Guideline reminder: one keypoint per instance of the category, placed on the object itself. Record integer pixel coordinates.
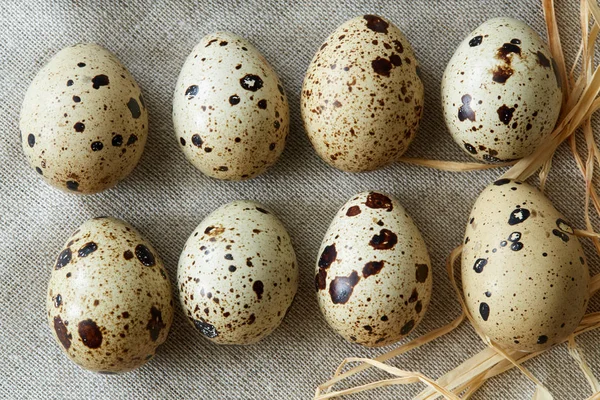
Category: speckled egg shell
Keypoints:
(109, 298)
(83, 121)
(373, 274)
(525, 277)
(501, 91)
(362, 97)
(230, 112)
(237, 274)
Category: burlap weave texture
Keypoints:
(166, 198)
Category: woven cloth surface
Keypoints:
(166, 198)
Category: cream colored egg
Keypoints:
(525, 277)
(109, 297)
(362, 97)
(83, 121)
(501, 91)
(230, 112)
(373, 276)
(237, 274)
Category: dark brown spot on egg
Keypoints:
(407, 327)
(321, 279)
(72, 185)
(506, 51)
(100, 80)
(518, 216)
(422, 271)
(251, 82)
(90, 333)
(234, 99)
(353, 211)
(155, 324)
(414, 296)
(465, 111)
(61, 332)
(564, 226)
(196, 140)
(97, 146)
(262, 104)
(117, 140)
(376, 23)
(385, 240)
(214, 230)
(476, 41)
(191, 91)
(480, 263)
(144, 255)
(516, 246)
(396, 60)
(470, 148)
(128, 255)
(501, 73)
(63, 258)
(341, 287)
(372, 268)
(182, 141)
(205, 328)
(505, 114)
(419, 307)
(79, 127)
(57, 300)
(31, 140)
(381, 66)
(378, 200)
(563, 236)
(258, 288)
(542, 60)
(542, 339)
(328, 256)
(134, 108)
(484, 311)
(132, 139)
(87, 249)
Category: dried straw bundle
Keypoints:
(580, 101)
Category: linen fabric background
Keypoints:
(166, 198)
